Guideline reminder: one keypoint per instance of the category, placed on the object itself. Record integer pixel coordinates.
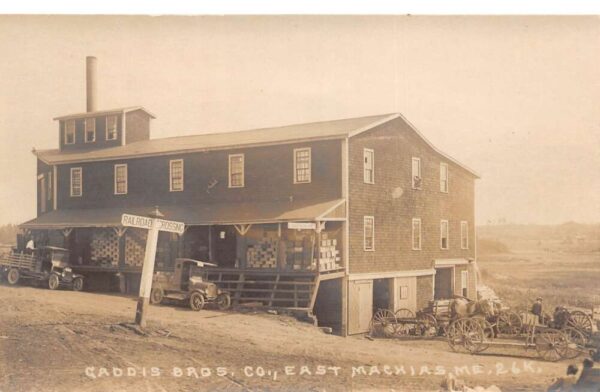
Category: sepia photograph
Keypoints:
(299, 203)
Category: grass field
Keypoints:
(561, 269)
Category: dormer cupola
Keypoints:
(95, 129)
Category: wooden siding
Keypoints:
(393, 202)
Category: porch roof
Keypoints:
(200, 214)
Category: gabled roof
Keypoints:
(104, 112)
(325, 130)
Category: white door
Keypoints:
(360, 306)
(405, 293)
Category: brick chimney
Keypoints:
(91, 83)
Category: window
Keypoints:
(111, 128)
(90, 130)
(49, 196)
(70, 132)
(403, 292)
(444, 177)
(416, 173)
(464, 283)
(464, 235)
(121, 179)
(369, 166)
(302, 165)
(176, 175)
(76, 182)
(236, 171)
(369, 233)
(416, 234)
(444, 234)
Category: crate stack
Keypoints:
(105, 247)
(329, 255)
(262, 254)
(135, 247)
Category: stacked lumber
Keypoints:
(105, 247)
(329, 255)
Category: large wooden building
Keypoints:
(337, 218)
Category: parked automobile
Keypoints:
(48, 265)
(182, 286)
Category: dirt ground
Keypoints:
(69, 341)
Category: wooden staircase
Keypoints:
(271, 288)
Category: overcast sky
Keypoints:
(515, 98)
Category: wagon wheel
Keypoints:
(78, 284)
(550, 344)
(576, 342)
(384, 322)
(13, 276)
(466, 333)
(509, 323)
(428, 325)
(223, 301)
(404, 314)
(580, 321)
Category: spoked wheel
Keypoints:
(466, 334)
(223, 301)
(384, 323)
(404, 314)
(580, 321)
(551, 345)
(156, 295)
(53, 282)
(576, 342)
(77, 284)
(509, 323)
(13, 276)
(196, 301)
(428, 325)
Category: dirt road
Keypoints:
(67, 341)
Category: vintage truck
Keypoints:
(182, 286)
(47, 265)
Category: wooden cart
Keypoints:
(402, 324)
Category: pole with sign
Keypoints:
(153, 224)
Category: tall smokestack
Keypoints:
(91, 83)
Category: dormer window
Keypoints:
(111, 128)
(90, 130)
(70, 132)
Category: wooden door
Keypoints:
(405, 293)
(43, 194)
(444, 283)
(360, 306)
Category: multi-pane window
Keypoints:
(302, 165)
(76, 181)
(416, 173)
(90, 130)
(403, 292)
(70, 132)
(464, 235)
(444, 177)
(369, 233)
(111, 128)
(369, 166)
(236, 170)
(416, 234)
(120, 179)
(444, 234)
(176, 175)
(464, 283)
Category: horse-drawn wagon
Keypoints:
(473, 334)
(402, 324)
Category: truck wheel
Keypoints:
(223, 301)
(13, 276)
(156, 296)
(53, 282)
(77, 284)
(196, 301)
